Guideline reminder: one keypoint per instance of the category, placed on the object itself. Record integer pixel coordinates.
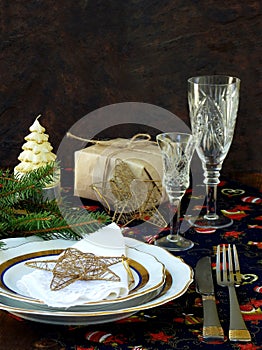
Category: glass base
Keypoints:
(174, 243)
(202, 222)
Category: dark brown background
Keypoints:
(63, 59)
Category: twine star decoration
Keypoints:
(74, 265)
(133, 199)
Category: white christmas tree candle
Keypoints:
(37, 152)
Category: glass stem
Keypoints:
(211, 180)
(211, 194)
(174, 220)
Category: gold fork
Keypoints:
(230, 277)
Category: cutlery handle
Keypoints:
(237, 327)
(212, 330)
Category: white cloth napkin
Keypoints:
(107, 241)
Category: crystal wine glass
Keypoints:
(213, 105)
(177, 150)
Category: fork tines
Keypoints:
(230, 267)
(230, 276)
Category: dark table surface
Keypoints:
(178, 323)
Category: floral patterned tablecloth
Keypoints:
(178, 323)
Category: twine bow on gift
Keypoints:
(74, 265)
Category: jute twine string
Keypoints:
(141, 137)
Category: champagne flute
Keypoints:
(177, 150)
(213, 105)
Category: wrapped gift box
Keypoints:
(120, 172)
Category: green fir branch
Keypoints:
(25, 210)
(48, 226)
(27, 187)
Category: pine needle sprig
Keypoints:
(15, 189)
(49, 226)
(83, 222)
(26, 211)
(43, 176)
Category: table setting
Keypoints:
(148, 289)
(193, 281)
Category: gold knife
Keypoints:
(212, 329)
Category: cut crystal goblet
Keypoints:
(213, 104)
(177, 150)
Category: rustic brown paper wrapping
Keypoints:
(97, 165)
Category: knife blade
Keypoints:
(212, 329)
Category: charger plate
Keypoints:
(179, 277)
(148, 273)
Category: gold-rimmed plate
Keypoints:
(179, 277)
(148, 273)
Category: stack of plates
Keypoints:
(158, 278)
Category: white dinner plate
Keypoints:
(148, 273)
(179, 278)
